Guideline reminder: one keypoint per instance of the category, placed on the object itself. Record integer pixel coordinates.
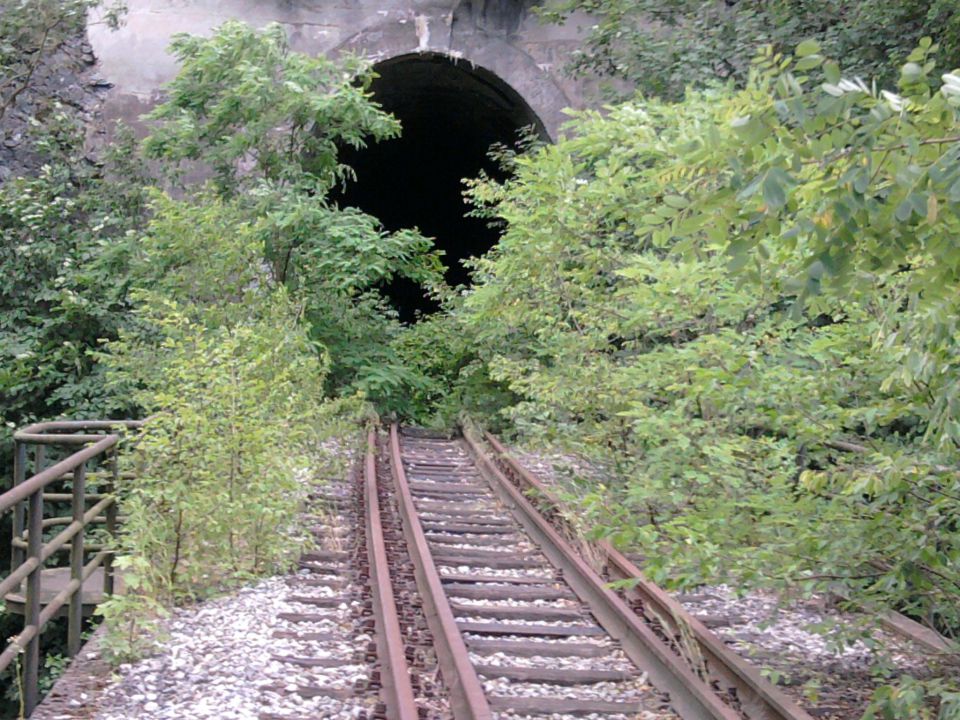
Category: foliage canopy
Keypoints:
(269, 122)
(664, 46)
(744, 306)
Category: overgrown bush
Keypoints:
(448, 377)
(218, 360)
(227, 451)
(221, 465)
(62, 263)
(268, 122)
(744, 305)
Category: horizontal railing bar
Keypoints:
(17, 576)
(23, 543)
(48, 549)
(41, 480)
(63, 497)
(40, 439)
(74, 425)
(18, 643)
(15, 647)
(64, 520)
(100, 474)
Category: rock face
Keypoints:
(502, 37)
(65, 81)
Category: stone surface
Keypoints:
(75, 692)
(501, 36)
(66, 81)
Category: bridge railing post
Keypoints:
(40, 600)
(110, 488)
(75, 611)
(17, 555)
(31, 653)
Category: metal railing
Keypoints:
(96, 441)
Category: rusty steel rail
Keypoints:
(30, 552)
(758, 698)
(467, 698)
(690, 696)
(395, 673)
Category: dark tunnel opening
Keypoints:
(451, 112)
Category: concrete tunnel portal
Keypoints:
(451, 113)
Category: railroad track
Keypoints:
(499, 604)
(736, 681)
(470, 605)
(444, 583)
(323, 598)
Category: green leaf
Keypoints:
(904, 210)
(774, 195)
(809, 62)
(911, 72)
(831, 71)
(807, 48)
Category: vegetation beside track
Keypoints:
(744, 306)
(662, 47)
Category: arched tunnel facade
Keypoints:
(460, 75)
(451, 112)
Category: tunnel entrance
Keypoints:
(451, 112)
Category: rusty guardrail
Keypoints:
(397, 689)
(97, 440)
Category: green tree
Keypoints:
(255, 112)
(61, 231)
(664, 47)
(217, 358)
(233, 388)
(268, 123)
(62, 259)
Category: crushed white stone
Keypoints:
(216, 661)
(616, 660)
(636, 690)
(533, 573)
(759, 625)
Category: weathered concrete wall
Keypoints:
(501, 36)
